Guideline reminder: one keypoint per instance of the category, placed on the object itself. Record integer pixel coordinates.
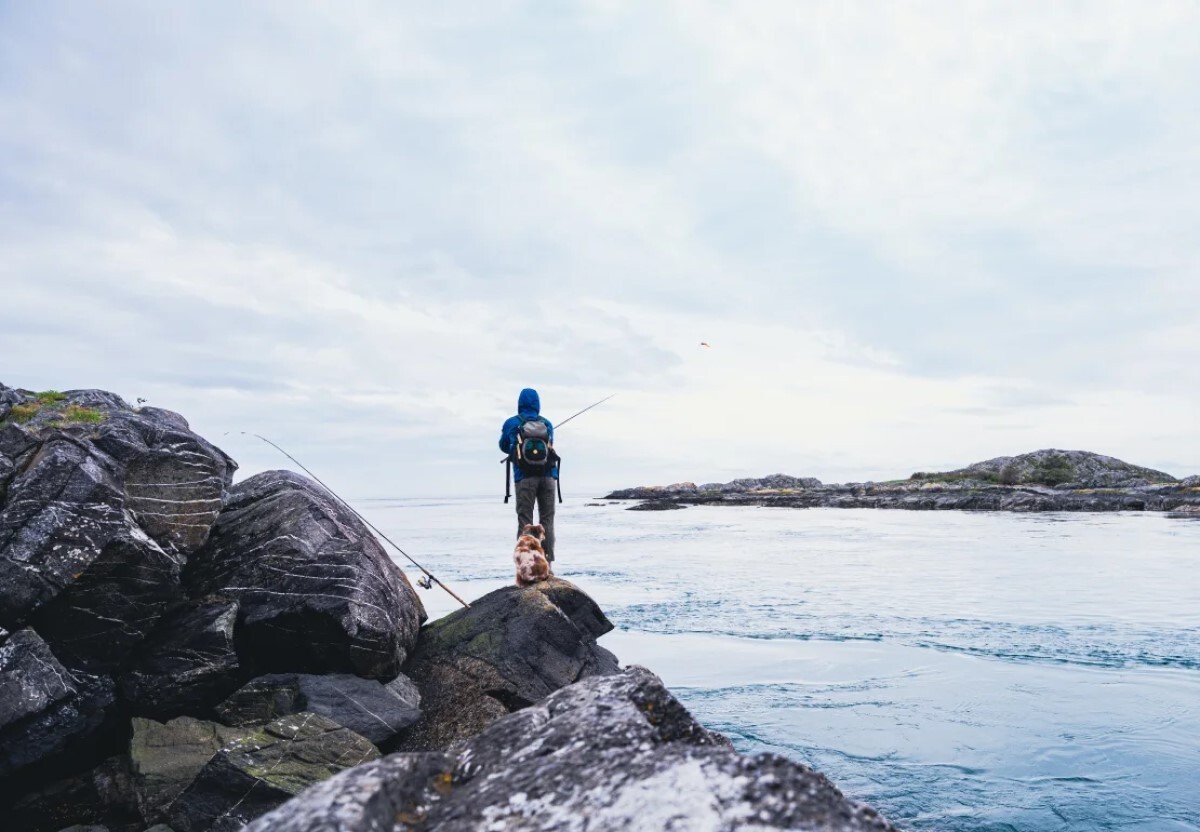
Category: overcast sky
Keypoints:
(915, 234)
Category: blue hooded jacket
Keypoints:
(528, 409)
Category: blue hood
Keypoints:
(529, 405)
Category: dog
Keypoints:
(529, 557)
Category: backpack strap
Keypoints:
(558, 479)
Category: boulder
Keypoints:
(656, 505)
(102, 795)
(99, 512)
(166, 757)
(318, 594)
(44, 707)
(365, 706)
(188, 664)
(611, 752)
(264, 768)
(1190, 482)
(510, 649)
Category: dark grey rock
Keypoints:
(656, 505)
(365, 706)
(256, 773)
(1190, 482)
(166, 757)
(98, 515)
(45, 708)
(188, 664)
(318, 593)
(611, 752)
(512, 647)
(102, 795)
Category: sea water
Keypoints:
(957, 670)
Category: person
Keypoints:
(535, 467)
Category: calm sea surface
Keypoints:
(959, 671)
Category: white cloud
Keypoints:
(916, 235)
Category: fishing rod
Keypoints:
(585, 410)
(572, 416)
(430, 577)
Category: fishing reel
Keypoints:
(425, 582)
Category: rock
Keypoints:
(258, 772)
(188, 664)
(365, 706)
(318, 593)
(44, 707)
(100, 511)
(1190, 482)
(102, 795)
(611, 752)
(1052, 466)
(513, 647)
(656, 505)
(165, 759)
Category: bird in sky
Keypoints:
(706, 344)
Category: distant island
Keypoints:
(1045, 480)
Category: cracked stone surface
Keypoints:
(513, 647)
(260, 770)
(610, 752)
(318, 593)
(44, 707)
(365, 706)
(166, 757)
(96, 519)
(189, 664)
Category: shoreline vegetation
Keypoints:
(1045, 480)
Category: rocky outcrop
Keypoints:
(1053, 467)
(164, 759)
(260, 770)
(317, 592)
(1048, 480)
(365, 706)
(611, 752)
(45, 709)
(189, 664)
(101, 508)
(135, 583)
(510, 649)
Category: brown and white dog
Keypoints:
(529, 557)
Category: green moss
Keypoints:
(83, 415)
(51, 397)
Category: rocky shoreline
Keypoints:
(1046, 480)
(180, 654)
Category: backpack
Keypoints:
(532, 453)
(532, 449)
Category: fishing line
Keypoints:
(430, 577)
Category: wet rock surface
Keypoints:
(365, 706)
(318, 594)
(45, 709)
(1046, 480)
(513, 647)
(188, 664)
(101, 507)
(262, 769)
(611, 752)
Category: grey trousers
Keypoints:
(538, 490)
